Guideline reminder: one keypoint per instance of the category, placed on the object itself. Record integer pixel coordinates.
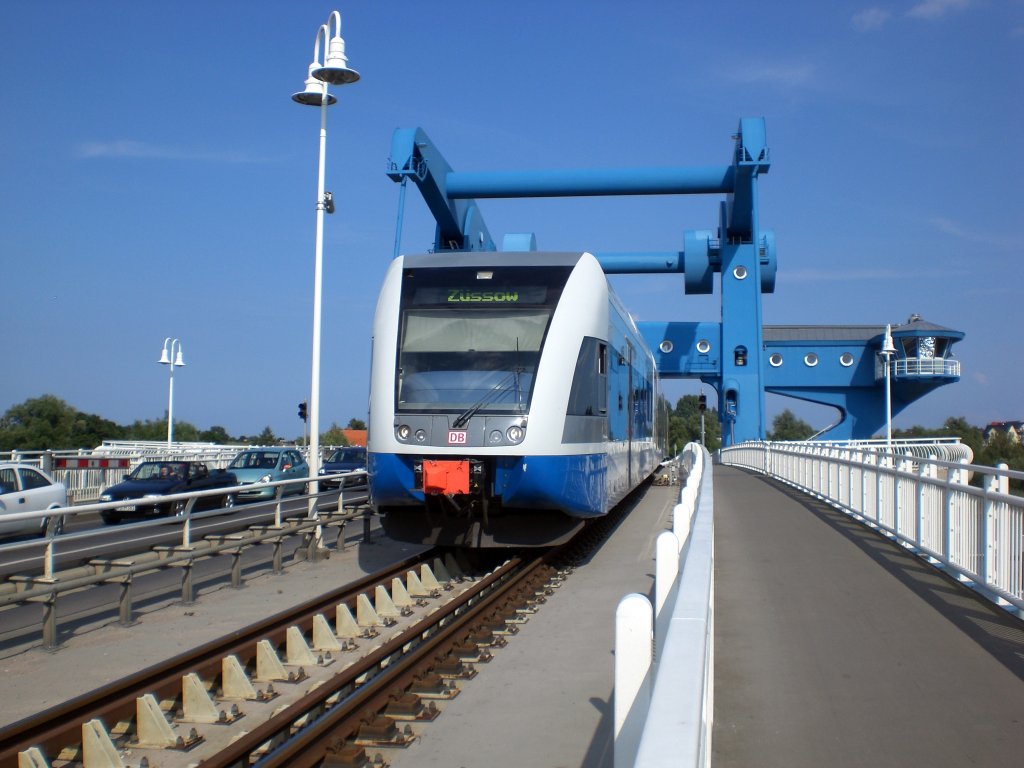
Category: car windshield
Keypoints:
(160, 470)
(348, 455)
(255, 460)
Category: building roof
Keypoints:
(355, 436)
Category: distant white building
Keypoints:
(1012, 429)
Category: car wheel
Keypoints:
(230, 501)
(178, 508)
(109, 518)
(58, 526)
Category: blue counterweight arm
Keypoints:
(459, 223)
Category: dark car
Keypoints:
(344, 460)
(154, 479)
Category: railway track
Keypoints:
(330, 682)
(318, 684)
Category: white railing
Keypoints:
(974, 532)
(664, 701)
(918, 366)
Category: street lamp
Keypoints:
(171, 356)
(333, 69)
(888, 350)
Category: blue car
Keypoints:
(258, 466)
(151, 480)
(344, 460)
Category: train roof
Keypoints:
(495, 259)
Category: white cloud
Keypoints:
(953, 229)
(870, 18)
(936, 9)
(127, 148)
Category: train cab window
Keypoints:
(471, 339)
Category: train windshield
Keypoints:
(470, 339)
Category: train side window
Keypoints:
(589, 393)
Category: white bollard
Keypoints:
(666, 579)
(682, 515)
(634, 619)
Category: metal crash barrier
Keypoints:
(48, 587)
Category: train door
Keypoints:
(631, 417)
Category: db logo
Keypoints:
(457, 436)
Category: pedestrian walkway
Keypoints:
(836, 647)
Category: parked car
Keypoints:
(344, 460)
(257, 466)
(154, 479)
(27, 489)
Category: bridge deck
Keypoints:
(836, 647)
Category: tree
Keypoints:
(334, 436)
(266, 437)
(216, 434)
(47, 422)
(786, 426)
(684, 425)
(356, 424)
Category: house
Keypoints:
(1012, 429)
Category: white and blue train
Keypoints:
(512, 399)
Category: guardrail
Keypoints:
(973, 532)
(45, 588)
(664, 654)
(92, 470)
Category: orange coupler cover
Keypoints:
(446, 477)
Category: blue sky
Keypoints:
(157, 180)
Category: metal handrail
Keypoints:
(974, 533)
(54, 528)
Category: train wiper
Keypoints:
(500, 388)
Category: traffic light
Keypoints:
(302, 410)
(702, 402)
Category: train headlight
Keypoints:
(514, 434)
(421, 435)
(495, 436)
(404, 431)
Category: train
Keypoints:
(512, 399)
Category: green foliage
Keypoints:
(216, 434)
(48, 422)
(684, 425)
(335, 435)
(266, 437)
(356, 424)
(786, 426)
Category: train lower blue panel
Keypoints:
(582, 485)
(392, 480)
(576, 485)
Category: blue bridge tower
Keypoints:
(738, 355)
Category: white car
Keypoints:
(27, 489)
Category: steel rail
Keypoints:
(336, 725)
(60, 726)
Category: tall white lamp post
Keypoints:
(888, 350)
(333, 69)
(171, 357)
